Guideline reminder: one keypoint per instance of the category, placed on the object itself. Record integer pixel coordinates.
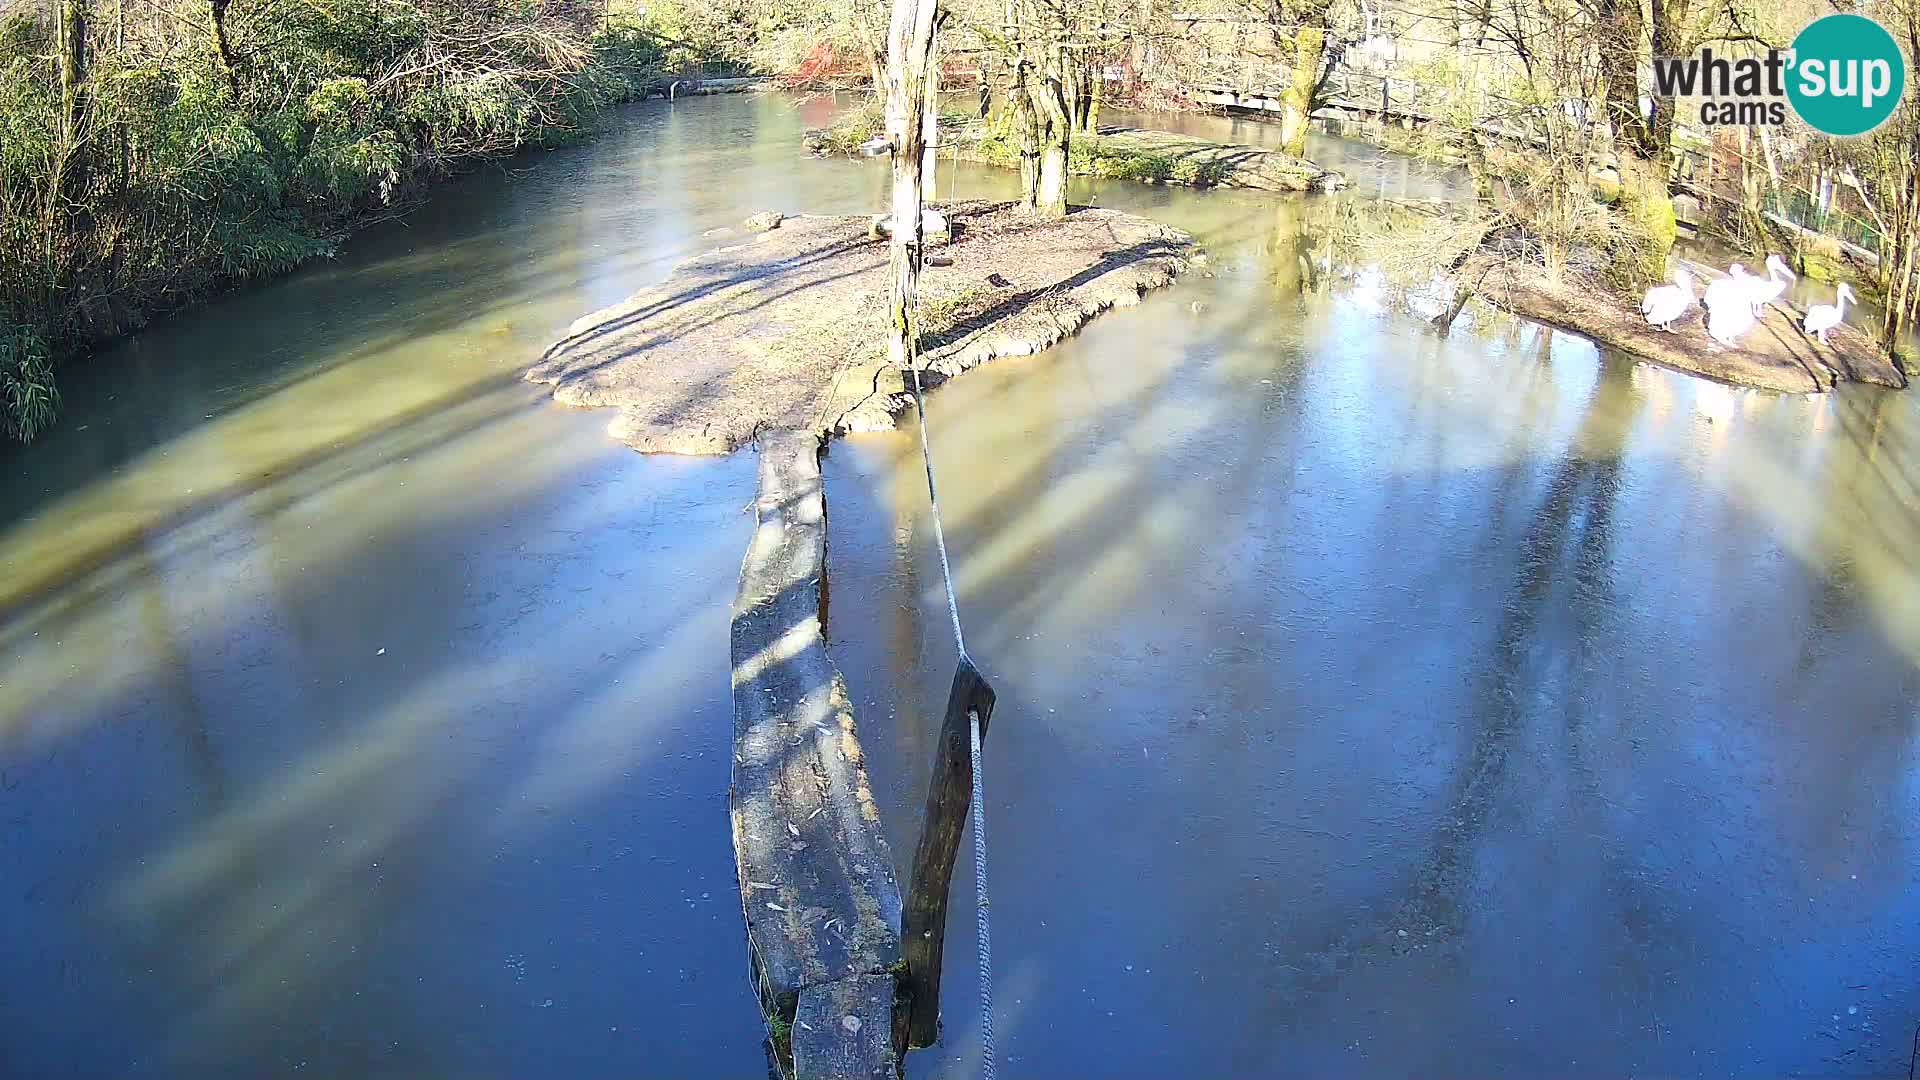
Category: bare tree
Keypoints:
(910, 63)
(71, 156)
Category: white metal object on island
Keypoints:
(932, 223)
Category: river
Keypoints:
(1370, 702)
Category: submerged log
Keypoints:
(816, 876)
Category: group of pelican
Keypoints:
(1737, 302)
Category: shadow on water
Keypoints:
(403, 752)
(1388, 703)
(352, 749)
(364, 713)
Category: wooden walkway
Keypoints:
(1351, 95)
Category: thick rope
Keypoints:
(978, 800)
(939, 532)
(982, 930)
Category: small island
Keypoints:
(787, 330)
(1776, 354)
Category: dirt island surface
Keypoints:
(1775, 355)
(786, 331)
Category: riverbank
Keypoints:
(1159, 157)
(1115, 153)
(212, 174)
(787, 330)
(1775, 355)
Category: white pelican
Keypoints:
(1822, 318)
(1728, 313)
(1726, 290)
(1665, 303)
(1766, 290)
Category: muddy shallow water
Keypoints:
(363, 713)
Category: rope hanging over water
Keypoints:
(983, 930)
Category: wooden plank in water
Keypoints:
(844, 1029)
(816, 878)
(949, 793)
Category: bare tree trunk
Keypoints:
(1645, 199)
(930, 123)
(1309, 45)
(1073, 82)
(1056, 136)
(1050, 201)
(223, 45)
(1140, 49)
(1462, 294)
(909, 56)
(1900, 269)
(1084, 80)
(1026, 121)
(1901, 291)
(1022, 111)
(70, 168)
(1752, 219)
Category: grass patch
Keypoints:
(850, 129)
(1091, 155)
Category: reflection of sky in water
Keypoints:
(363, 712)
(1310, 628)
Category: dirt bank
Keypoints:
(787, 331)
(1774, 355)
(1119, 153)
(1161, 157)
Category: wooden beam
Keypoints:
(949, 793)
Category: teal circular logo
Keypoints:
(1847, 75)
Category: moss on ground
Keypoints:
(1151, 157)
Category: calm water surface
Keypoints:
(1370, 703)
(361, 712)
(1379, 704)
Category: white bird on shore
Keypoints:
(1766, 290)
(1665, 303)
(1822, 318)
(1726, 290)
(1729, 314)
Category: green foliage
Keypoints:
(263, 248)
(1094, 156)
(28, 397)
(184, 176)
(1819, 258)
(20, 37)
(722, 37)
(630, 58)
(853, 127)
